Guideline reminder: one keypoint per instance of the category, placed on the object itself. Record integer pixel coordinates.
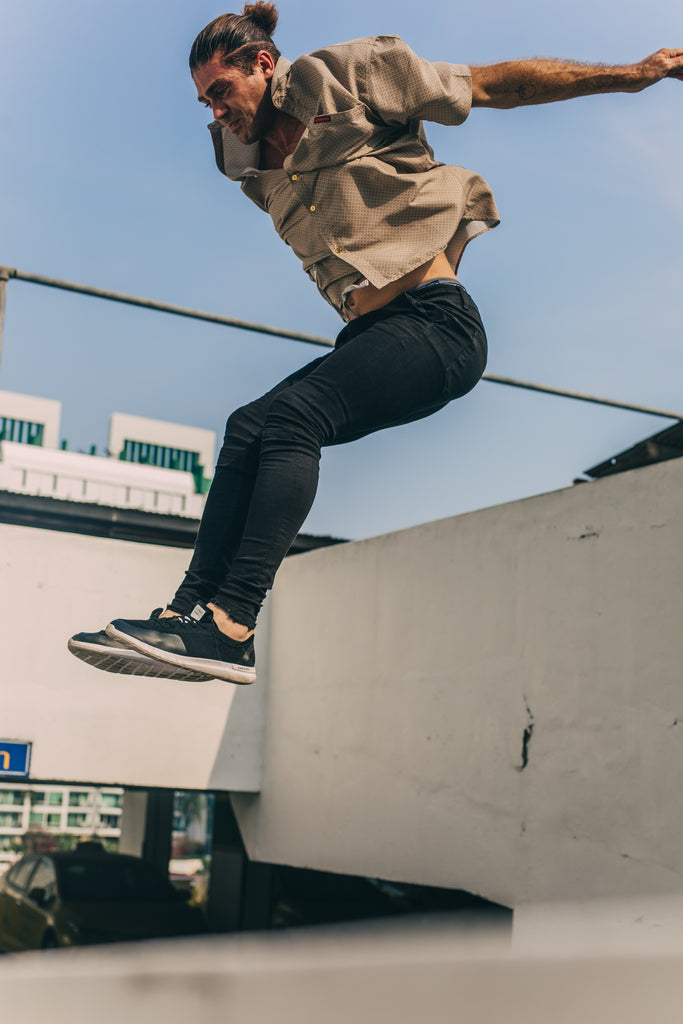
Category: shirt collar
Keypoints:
(235, 159)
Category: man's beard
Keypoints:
(262, 121)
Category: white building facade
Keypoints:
(151, 465)
(38, 814)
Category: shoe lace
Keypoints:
(187, 620)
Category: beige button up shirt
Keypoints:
(363, 171)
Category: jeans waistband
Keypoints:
(418, 297)
(453, 281)
(349, 316)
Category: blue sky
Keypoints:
(107, 178)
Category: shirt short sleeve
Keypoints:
(402, 86)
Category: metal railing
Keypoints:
(11, 273)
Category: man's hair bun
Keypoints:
(237, 38)
(264, 15)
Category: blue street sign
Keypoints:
(15, 758)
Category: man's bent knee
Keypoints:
(294, 418)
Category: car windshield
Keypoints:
(124, 881)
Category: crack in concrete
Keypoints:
(526, 738)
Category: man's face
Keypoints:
(240, 102)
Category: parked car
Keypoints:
(89, 896)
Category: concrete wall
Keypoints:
(573, 928)
(94, 726)
(491, 702)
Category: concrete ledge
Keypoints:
(333, 977)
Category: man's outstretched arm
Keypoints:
(541, 80)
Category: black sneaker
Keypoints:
(100, 651)
(192, 642)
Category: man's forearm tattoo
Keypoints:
(526, 91)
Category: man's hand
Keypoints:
(525, 82)
(662, 64)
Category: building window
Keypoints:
(36, 818)
(109, 821)
(55, 799)
(79, 799)
(77, 820)
(37, 798)
(10, 819)
(21, 431)
(111, 799)
(11, 797)
(54, 820)
(160, 455)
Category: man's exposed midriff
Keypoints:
(364, 300)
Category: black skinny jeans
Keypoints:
(397, 364)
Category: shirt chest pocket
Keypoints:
(336, 137)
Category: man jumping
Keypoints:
(332, 147)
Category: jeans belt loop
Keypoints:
(413, 300)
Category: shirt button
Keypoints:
(339, 249)
(312, 208)
(294, 177)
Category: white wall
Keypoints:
(396, 684)
(406, 669)
(74, 476)
(92, 726)
(123, 426)
(35, 410)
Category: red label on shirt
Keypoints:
(321, 118)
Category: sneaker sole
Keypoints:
(232, 673)
(129, 662)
